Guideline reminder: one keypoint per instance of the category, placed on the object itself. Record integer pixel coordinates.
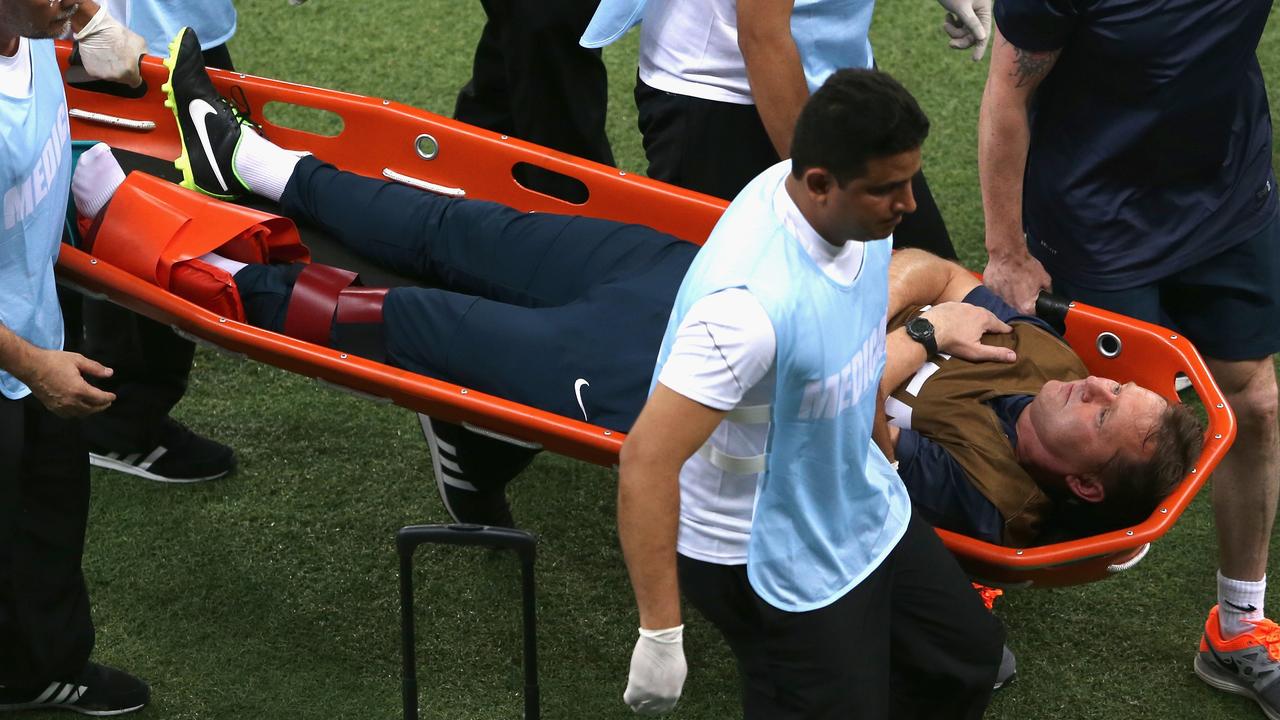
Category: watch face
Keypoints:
(919, 328)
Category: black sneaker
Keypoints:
(97, 690)
(208, 123)
(181, 457)
(472, 471)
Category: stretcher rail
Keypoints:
(380, 134)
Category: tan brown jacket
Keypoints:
(947, 404)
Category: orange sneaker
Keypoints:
(988, 595)
(1248, 664)
(1008, 663)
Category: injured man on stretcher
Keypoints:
(1015, 445)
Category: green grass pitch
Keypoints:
(273, 593)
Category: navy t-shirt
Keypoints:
(940, 489)
(1150, 137)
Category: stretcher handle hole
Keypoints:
(426, 147)
(316, 121)
(1109, 345)
(549, 182)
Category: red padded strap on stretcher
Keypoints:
(313, 302)
(151, 224)
(361, 305)
(210, 287)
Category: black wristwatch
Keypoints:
(921, 330)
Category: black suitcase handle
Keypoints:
(521, 543)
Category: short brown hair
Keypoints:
(1135, 487)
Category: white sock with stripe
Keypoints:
(95, 180)
(1239, 601)
(263, 166)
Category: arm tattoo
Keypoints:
(1032, 66)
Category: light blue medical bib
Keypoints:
(35, 179)
(830, 34)
(829, 508)
(158, 21)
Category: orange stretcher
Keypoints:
(381, 138)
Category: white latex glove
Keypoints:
(657, 671)
(110, 51)
(968, 24)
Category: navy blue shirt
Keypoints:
(1150, 137)
(940, 489)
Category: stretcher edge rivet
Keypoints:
(1193, 471)
(386, 102)
(1019, 552)
(463, 391)
(222, 320)
(1217, 436)
(1164, 511)
(1173, 337)
(343, 356)
(93, 261)
(608, 432)
(1128, 532)
(1220, 406)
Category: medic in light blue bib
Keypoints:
(35, 178)
(829, 507)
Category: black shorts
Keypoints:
(1227, 305)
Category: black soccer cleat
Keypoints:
(97, 690)
(208, 123)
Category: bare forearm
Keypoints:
(903, 356)
(17, 356)
(773, 65)
(648, 514)
(779, 88)
(1003, 138)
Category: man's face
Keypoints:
(36, 18)
(1084, 425)
(869, 207)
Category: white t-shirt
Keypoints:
(723, 357)
(691, 48)
(15, 71)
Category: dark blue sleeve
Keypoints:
(984, 298)
(1036, 25)
(941, 490)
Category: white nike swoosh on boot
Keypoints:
(199, 110)
(577, 392)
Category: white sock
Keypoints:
(264, 166)
(1239, 601)
(95, 180)
(226, 263)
